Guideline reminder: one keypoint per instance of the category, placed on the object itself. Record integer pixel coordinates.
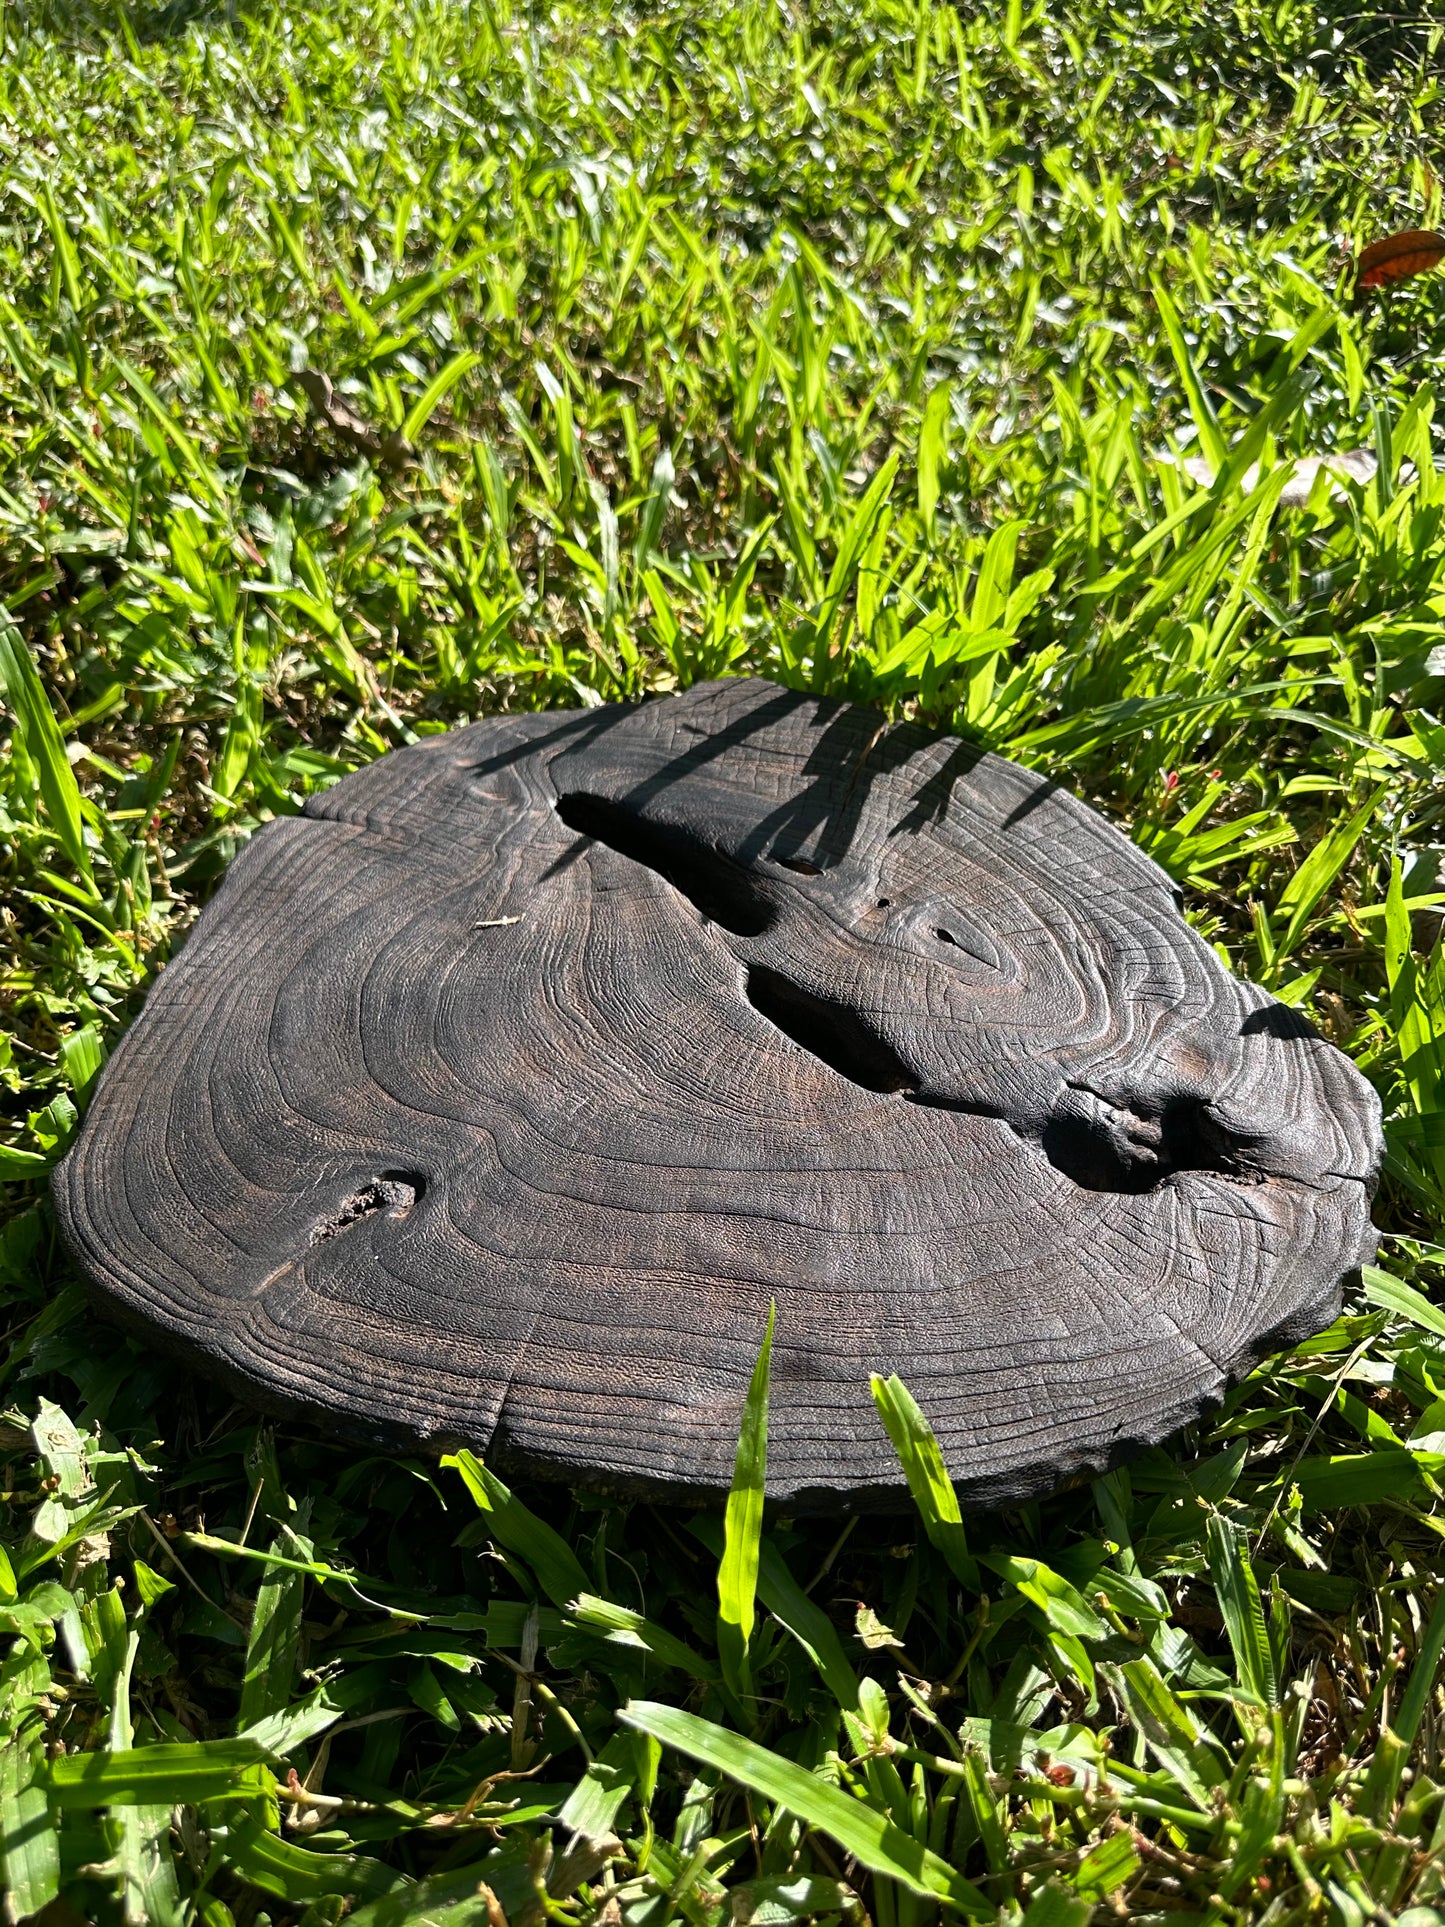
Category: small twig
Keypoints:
(522, 1693)
(1310, 1436)
(251, 1513)
(297, 1795)
(527, 1684)
(482, 1791)
(832, 1553)
(179, 1565)
(980, 1622)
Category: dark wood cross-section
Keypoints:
(495, 1097)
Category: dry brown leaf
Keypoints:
(1399, 256)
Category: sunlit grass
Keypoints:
(367, 369)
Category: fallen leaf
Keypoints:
(1398, 256)
(873, 1633)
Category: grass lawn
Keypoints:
(366, 368)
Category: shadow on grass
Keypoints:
(150, 21)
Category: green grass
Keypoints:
(860, 346)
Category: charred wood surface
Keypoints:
(495, 1096)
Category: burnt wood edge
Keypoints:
(998, 1493)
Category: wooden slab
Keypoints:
(494, 1097)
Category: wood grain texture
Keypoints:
(494, 1097)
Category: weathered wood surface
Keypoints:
(495, 1096)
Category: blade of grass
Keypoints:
(30, 706)
(1237, 1591)
(928, 1481)
(435, 393)
(874, 1840)
(737, 1573)
(558, 1570)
